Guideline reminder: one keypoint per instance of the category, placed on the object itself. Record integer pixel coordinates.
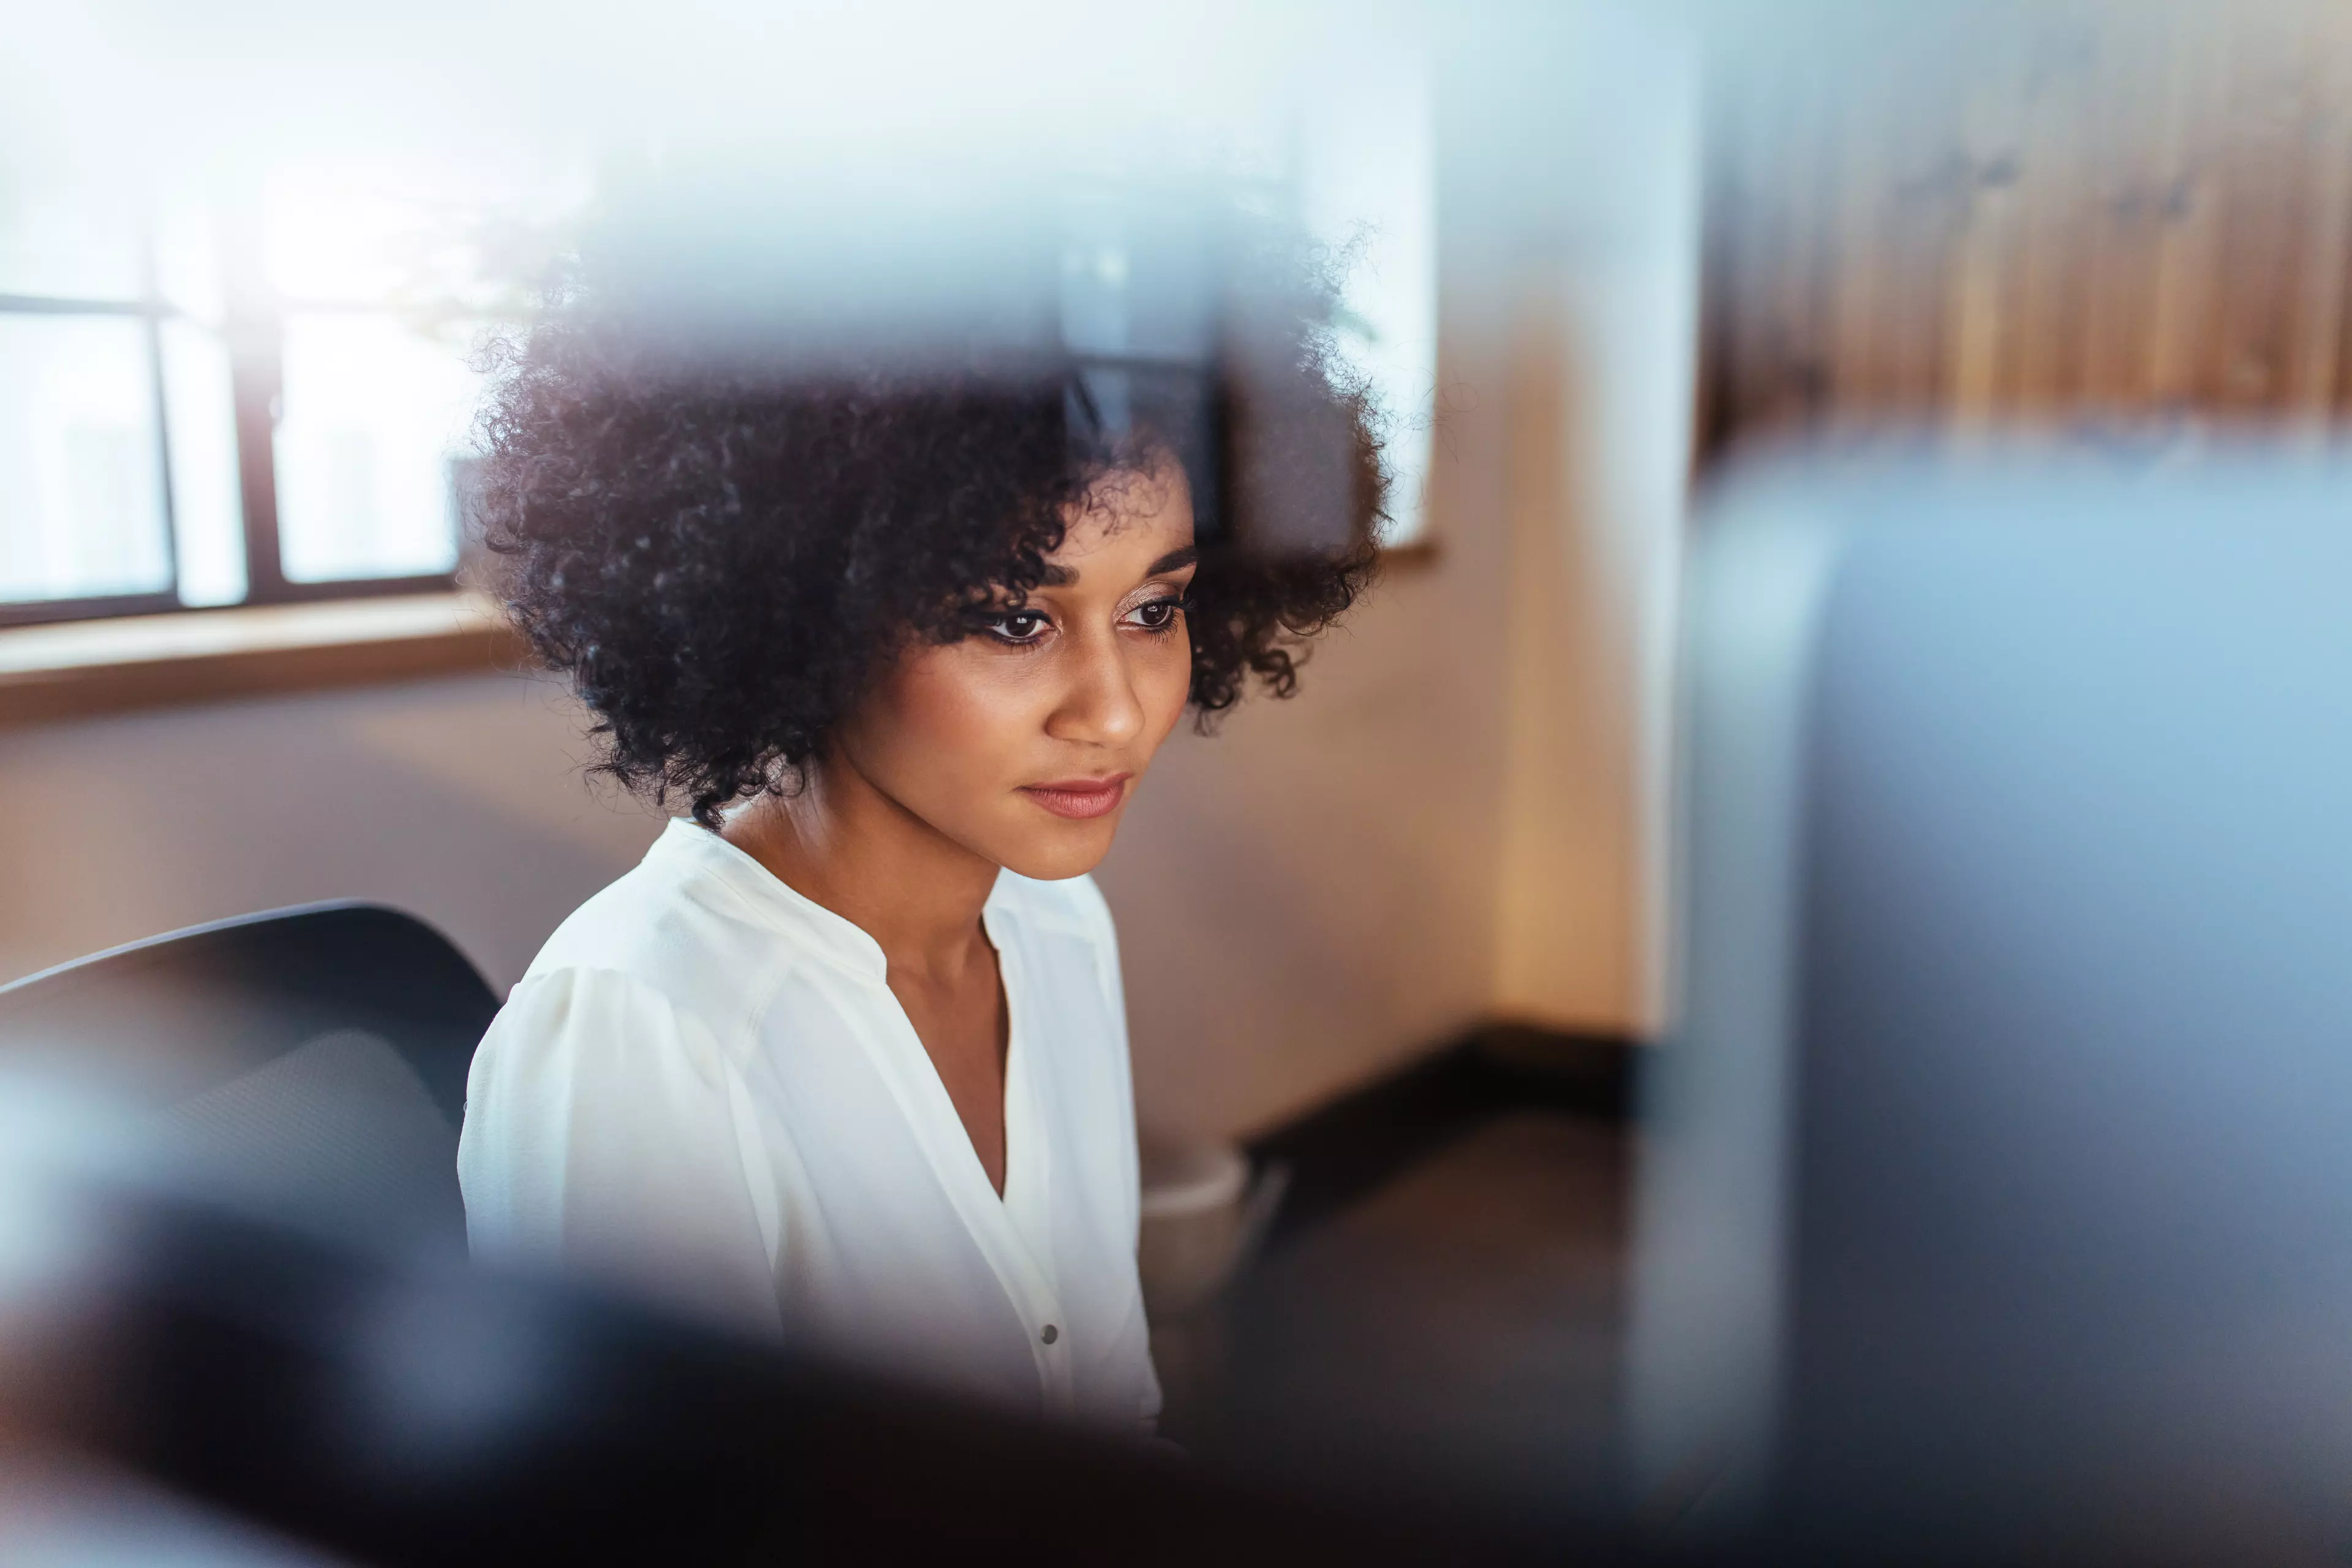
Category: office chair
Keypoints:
(305, 1064)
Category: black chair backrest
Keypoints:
(310, 1062)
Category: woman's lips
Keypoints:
(1080, 798)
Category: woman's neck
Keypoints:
(842, 843)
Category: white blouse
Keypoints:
(704, 1091)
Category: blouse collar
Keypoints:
(833, 936)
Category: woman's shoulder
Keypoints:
(668, 926)
(636, 982)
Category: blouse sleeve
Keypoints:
(601, 1139)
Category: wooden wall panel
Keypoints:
(2077, 211)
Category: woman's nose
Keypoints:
(1099, 705)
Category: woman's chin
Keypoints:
(1061, 850)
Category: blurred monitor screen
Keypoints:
(2001, 1181)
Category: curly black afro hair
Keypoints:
(721, 537)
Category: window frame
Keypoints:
(252, 329)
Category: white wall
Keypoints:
(458, 799)
(1578, 160)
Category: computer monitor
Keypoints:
(1998, 1187)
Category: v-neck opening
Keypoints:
(1027, 1162)
(1006, 1228)
(1003, 1071)
(1009, 1091)
(1011, 1098)
(846, 942)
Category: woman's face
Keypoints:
(1022, 742)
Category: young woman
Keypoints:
(844, 1058)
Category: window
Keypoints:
(1365, 155)
(215, 402)
(262, 395)
(1357, 172)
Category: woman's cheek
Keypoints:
(939, 724)
(983, 720)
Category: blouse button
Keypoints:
(1051, 1334)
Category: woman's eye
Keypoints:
(1020, 627)
(1159, 615)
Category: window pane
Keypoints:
(188, 256)
(81, 483)
(207, 504)
(463, 232)
(60, 240)
(1368, 183)
(374, 413)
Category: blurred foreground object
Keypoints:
(422, 1412)
(1999, 1193)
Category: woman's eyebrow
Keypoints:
(1174, 561)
